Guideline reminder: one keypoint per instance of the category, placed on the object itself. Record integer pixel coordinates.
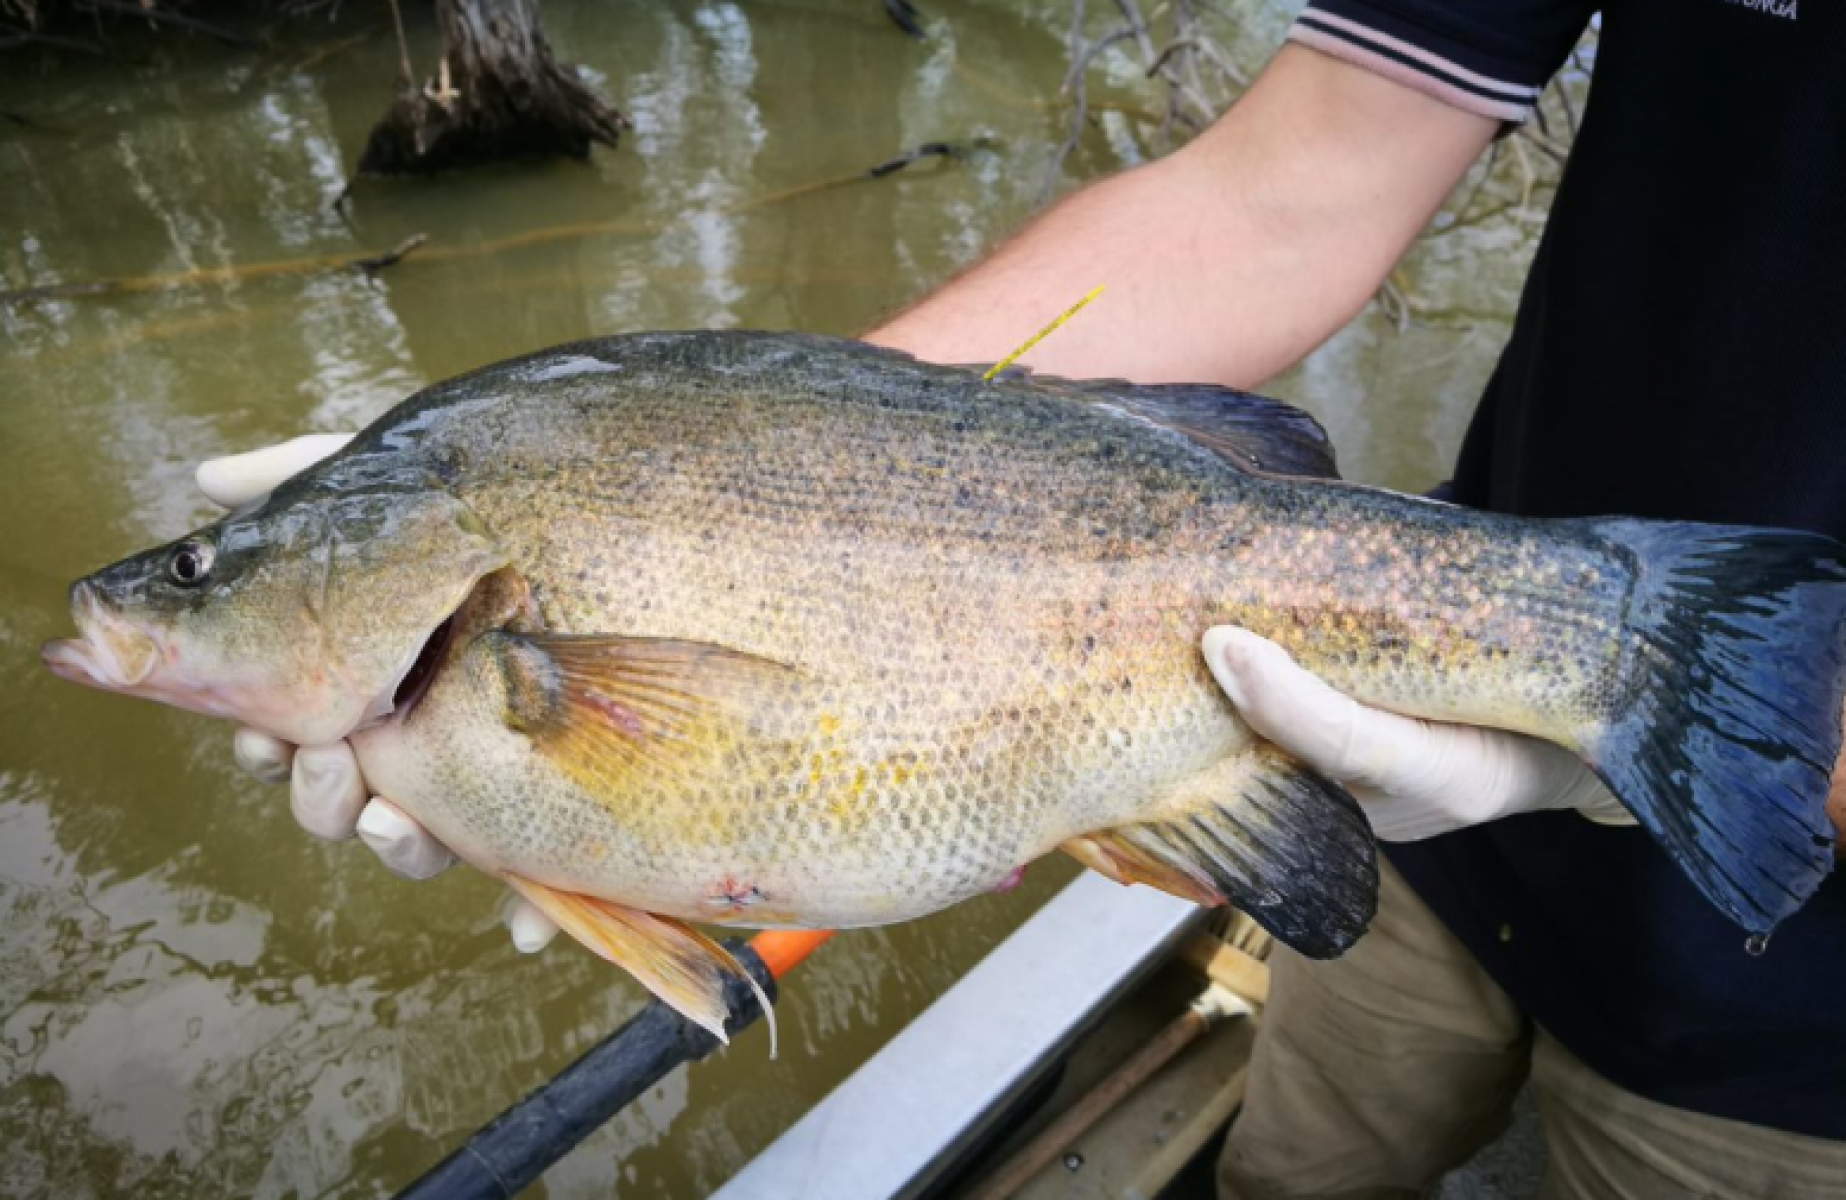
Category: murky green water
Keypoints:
(197, 999)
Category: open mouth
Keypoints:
(79, 660)
(107, 652)
(415, 684)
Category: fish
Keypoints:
(744, 629)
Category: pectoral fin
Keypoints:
(1259, 831)
(674, 961)
(605, 706)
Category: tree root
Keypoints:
(498, 93)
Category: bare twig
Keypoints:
(1573, 64)
(390, 258)
(1174, 47)
(1528, 175)
(1396, 305)
(926, 150)
(1137, 24)
(1219, 59)
(406, 77)
(155, 16)
(1076, 82)
(1538, 141)
(53, 42)
(905, 16)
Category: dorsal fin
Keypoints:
(1252, 433)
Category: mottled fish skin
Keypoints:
(987, 596)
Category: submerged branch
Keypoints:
(54, 42)
(905, 16)
(156, 16)
(391, 257)
(1174, 47)
(926, 150)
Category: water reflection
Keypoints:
(196, 999)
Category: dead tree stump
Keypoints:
(499, 93)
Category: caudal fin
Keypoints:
(1725, 743)
(1262, 832)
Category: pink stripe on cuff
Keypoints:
(1429, 85)
(1411, 50)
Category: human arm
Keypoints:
(1229, 259)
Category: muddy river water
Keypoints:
(196, 998)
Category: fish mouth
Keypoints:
(108, 652)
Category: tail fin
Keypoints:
(1260, 831)
(1736, 674)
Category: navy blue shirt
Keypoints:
(1680, 351)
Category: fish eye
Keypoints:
(191, 563)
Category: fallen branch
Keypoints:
(53, 42)
(926, 150)
(1076, 84)
(905, 15)
(154, 16)
(372, 263)
(391, 257)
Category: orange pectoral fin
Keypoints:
(674, 961)
(609, 709)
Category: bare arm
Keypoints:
(1230, 259)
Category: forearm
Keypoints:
(1230, 259)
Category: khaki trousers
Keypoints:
(1381, 1070)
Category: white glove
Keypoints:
(327, 792)
(1415, 778)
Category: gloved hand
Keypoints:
(327, 792)
(1415, 778)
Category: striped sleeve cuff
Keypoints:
(1490, 89)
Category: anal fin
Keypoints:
(1259, 831)
(674, 961)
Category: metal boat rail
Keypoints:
(899, 1123)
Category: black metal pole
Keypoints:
(514, 1148)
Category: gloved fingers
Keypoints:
(1334, 734)
(1400, 818)
(1416, 778)
(267, 759)
(326, 791)
(237, 479)
(401, 843)
(1591, 797)
(532, 930)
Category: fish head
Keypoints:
(306, 617)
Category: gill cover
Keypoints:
(397, 566)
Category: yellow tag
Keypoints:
(1041, 335)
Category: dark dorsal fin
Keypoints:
(1253, 433)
